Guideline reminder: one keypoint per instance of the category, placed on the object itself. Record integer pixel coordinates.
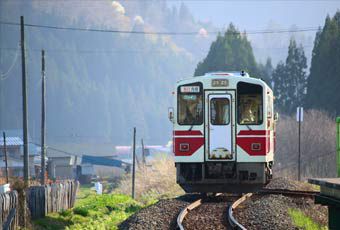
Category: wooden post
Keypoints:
(43, 117)
(143, 152)
(6, 160)
(24, 101)
(133, 162)
(338, 143)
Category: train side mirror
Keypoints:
(171, 114)
(276, 116)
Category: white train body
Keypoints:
(223, 132)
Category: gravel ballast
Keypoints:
(271, 211)
(161, 215)
(283, 183)
(259, 212)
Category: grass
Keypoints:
(302, 221)
(106, 211)
(153, 182)
(91, 212)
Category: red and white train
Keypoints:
(223, 132)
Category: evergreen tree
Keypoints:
(266, 72)
(290, 79)
(280, 84)
(324, 81)
(232, 51)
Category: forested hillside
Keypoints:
(126, 80)
(324, 80)
(292, 83)
(232, 51)
(99, 85)
(318, 89)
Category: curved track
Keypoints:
(232, 221)
(208, 211)
(235, 201)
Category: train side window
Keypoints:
(220, 111)
(249, 104)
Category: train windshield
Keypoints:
(190, 105)
(219, 111)
(250, 104)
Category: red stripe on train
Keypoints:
(245, 142)
(254, 132)
(194, 144)
(188, 133)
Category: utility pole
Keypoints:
(338, 143)
(43, 117)
(143, 152)
(24, 102)
(6, 161)
(133, 162)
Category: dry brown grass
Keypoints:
(318, 156)
(155, 180)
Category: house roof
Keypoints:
(95, 160)
(11, 141)
(17, 134)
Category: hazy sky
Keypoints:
(252, 15)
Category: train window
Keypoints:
(250, 104)
(190, 105)
(220, 111)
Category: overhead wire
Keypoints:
(306, 29)
(57, 150)
(207, 1)
(129, 51)
(4, 76)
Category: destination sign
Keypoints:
(219, 82)
(190, 89)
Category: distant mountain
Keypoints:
(99, 85)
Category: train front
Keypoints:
(223, 137)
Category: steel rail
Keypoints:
(187, 209)
(232, 221)
(287, 192)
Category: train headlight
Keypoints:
(184, 147)
(255, 146)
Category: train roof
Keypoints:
(235, 76)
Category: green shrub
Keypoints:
(92, 211)
(65, 213)
(81, 211)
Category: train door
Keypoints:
(219, 125)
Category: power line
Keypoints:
(89, 51)
(131, 51)
(306, 29)
(208, 1)
(4, 76)
(57, 150)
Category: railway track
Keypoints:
(195, 214)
